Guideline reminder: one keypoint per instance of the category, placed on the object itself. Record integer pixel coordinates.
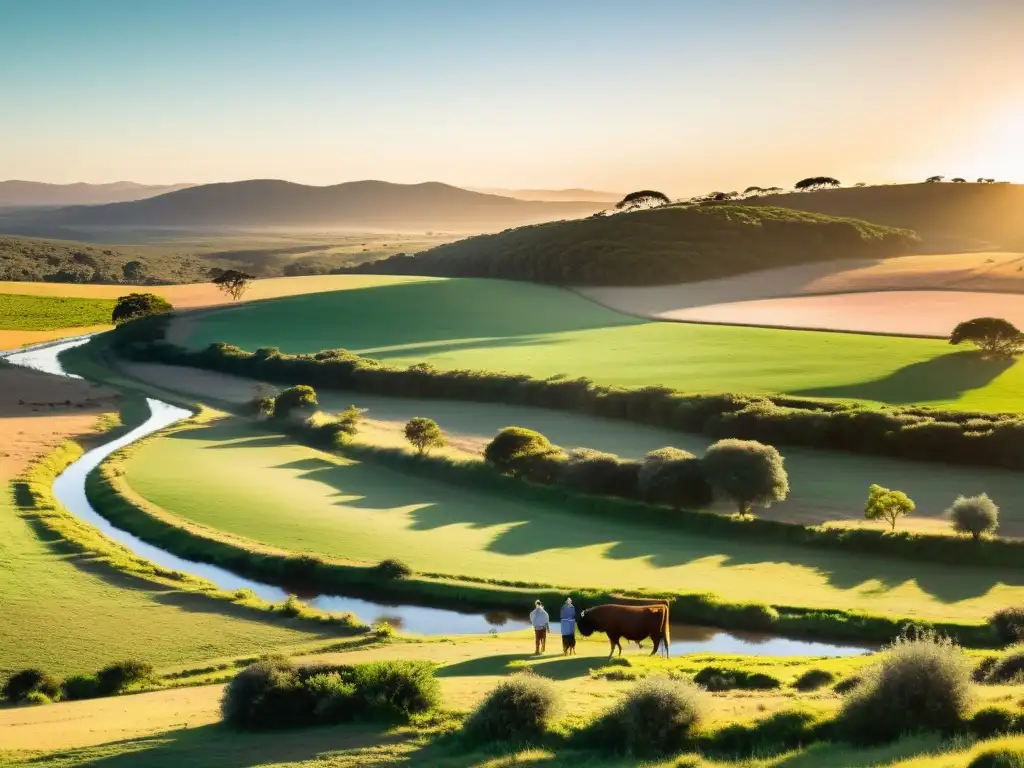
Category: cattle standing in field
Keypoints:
(633, 622)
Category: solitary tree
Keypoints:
(644, 198)
(816, 182)
(746, 472)
(233, 283)
(887, 505)
(934, 179)
(298, 398)
(138, 305)
(976, 515)
(753, 191)
(424, 434)
(860, 184)
(994, 336)
(958, 180)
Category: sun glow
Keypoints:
(999, 151)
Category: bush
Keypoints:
(657, 717)
(392, 569)
(746, 472)
(518, 710)
(1009, 668)
(779, 732)
(600, 474)
(681, 483)
(1008, 624)
(78, 687)
(21, 685)
(984, 668)
(919, 684)
(846, 685)
(813, 679)
(300, 397)
(992, 721)
(118, 676)
(654, 461)
(974, 515)
(998, 757)
(512, 447)
(755, 616)
(265, 695)
(402, 688)
(725, 679)
(36, 698)
(383, 630)
(424, 434)
(136, 306)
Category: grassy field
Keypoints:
(40, 313)
(299, 499)
(544, 331)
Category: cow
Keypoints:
(633, 622)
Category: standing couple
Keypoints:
(540, 620)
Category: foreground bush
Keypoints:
(21, 685)
(657, 717)
(1008, 624)
(919, 684)
(779, 732)
(518, 710)
(998, 757)
(993, 721)
(275, 693)
(974, 515)
(1008, 668)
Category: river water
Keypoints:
(69, 488)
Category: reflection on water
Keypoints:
(69, 488)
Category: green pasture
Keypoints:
(824, 485)
(50, 313)
(61, 612)
(543, 331)
(234, 478)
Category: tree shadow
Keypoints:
(939, 379)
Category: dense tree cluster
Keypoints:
(136, 306)
(816, 182)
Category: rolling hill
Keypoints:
(15, 193)
(555, 195)
(948, 217)
(271, 204)
(666, 245)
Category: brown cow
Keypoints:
(633, 622)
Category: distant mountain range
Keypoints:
(35, 193)
(554, 195)
(272, 204)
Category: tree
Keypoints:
(816, 182)
(680, 483)
(958, 180)
(644, 198)
(746, 472)
(887, 505)
(512, 446)
(424, 434)
(133, 271)
(233, 283)
(976, 515)
(994, 336)
(301, 397)
(138, 305)
(753, 190)
(934, 179)
(860, 184)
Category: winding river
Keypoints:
(69, 488)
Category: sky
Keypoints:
(685, 97)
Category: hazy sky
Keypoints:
(676, 95)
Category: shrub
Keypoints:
(984, 668)
(654, 461)
(994, 336)
(1008, 624)
(402, 688)
(846, 685)
(292, 607)
(919, 684)
(383, 630)
(746, 472)
(755, 616)
(514, 446)
(998, 757)
(992, 721)
(264, 695)
(118, 676)
(392, 569)
(424, 434)
(78, 687)
(813, 679)
(300, 397)
(681, 483)
(136, 306)
(518, 710)
(36, 698)
(974, 515)
(725, 679)
(1009, 668)
(594, 472)
(28, 681)
(887, 505)
(658, 716)
(779, 732)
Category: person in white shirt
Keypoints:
(540, 620)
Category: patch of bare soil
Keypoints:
(39, 411)
(16, 339)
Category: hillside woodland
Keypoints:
(946, 216)
(663, 245)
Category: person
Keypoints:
(568, 617)
(540, 620)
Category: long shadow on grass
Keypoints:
(217, 746)
(520, 529)
(942, 378)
